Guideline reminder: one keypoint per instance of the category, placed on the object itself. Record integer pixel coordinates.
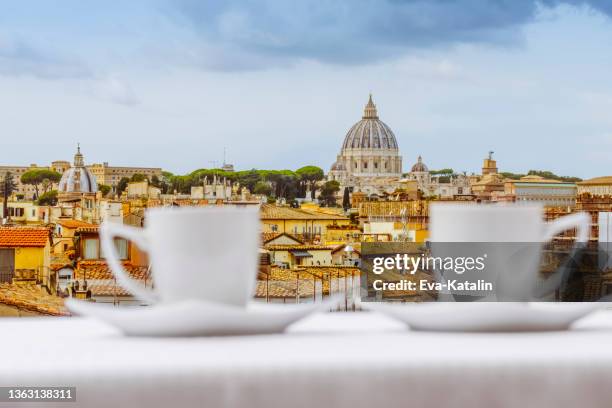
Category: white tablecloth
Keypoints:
(336, 360)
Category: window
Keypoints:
(16, 212)
(93, 250)
(33, 213)
(365, 165)
(122, 248)
(90, 248)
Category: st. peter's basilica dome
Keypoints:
(370, 132)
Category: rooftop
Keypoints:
(273, 212)
(303, 247)
(19, 237)
(283, 283)
(99, 270)
(31, 298)
(607, 180)
(73, 224)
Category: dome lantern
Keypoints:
(78, 157)
(370, 110)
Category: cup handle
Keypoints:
(108, 232)
(581, 221)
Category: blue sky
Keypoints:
(278, 83)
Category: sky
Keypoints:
(277, 83)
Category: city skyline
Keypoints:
(171, 84)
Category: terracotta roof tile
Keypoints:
(73, 224)
(31, 298)
(273, 212)
(268, 236)
(11, 237)
(271, 236)
(108, 287)
(284, 283)
(303, 247)
(99, 270)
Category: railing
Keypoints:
(6, 274)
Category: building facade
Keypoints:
(369, 159)
(536, 189)
(111, 175)
(442, 186)
(598, 186)
(27, 190)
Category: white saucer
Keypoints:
(485, 316)
(199, 318)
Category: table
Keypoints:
(335, 359)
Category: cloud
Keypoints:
(252, 34)
(240, 35)
(18, 58)
(112, 89)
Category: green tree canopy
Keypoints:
(104, 189)
(328, 193)
(40, 178)
(138, 177)
(48, 198)
(442, 172)
(155, 181)
(550, 175)
(346, 199)
(307, 177)
(122, 185)
(262, 188)
(7, 187)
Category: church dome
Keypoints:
(370, 132)
(78, 179)
(419, 166)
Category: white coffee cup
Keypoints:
(204, 253)
(508, 236)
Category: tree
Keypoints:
(308, 176)
(122, 185)
(249, 179)
(155, 181)
(138, 177)
(346, 199)
(442, 171)
(328, 193)
(262, 188)
(42, 178)
(48, 198)
(104, 189)
(284, 183)
(552, 176)
(7, 187)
